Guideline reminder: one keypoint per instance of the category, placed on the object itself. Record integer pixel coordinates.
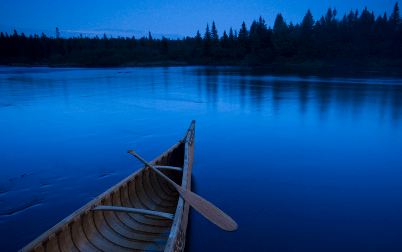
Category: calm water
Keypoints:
(302, 161)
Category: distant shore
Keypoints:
(356, 41)
(395, 69)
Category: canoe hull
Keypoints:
(106, 230)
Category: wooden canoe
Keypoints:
(141, 213)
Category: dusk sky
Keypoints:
(181, 17)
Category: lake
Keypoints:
(302, 161)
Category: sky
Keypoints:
(172, 18)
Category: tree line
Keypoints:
(355, 39)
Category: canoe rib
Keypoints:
(133, 210)
(118, 227)
(168, 167)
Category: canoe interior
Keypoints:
(103, 230)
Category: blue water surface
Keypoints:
(302, 161)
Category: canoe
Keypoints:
(141, 213)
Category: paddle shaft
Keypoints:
(204, 207)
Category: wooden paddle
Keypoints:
(204, 207)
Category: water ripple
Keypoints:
(22, 208)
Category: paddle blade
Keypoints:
(204, 207)
(208, 210)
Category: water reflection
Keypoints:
(295, 132)
(258, 94)
(396, 104)
(327, 94)
(304, 96)
(248, 88)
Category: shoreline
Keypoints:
(275, 66)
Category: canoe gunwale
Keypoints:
(81, 212)
(177, 236)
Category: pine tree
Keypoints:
(243, 34)
(231, 36)
(395, 28)
(395, 19)
(225, 40)
(344, 28)
(279, 23)
(207, 42)
(254, 39)
(198, 39)
(307, 25)
(352, 24)
(198, 36)
(243, 40)
(334, 12)
(57, 33)
(214, 34)
(328, 17)
(380, 28)
(306, 43)
(164, 46)
(207, 35)
(366, 22)
(262, 27)
(281, 41)
(253, 27)
(264, 34)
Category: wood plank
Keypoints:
(123, 229)
(168, 167)
(134, 210)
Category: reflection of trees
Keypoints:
(303, 96)
(324, 95)
(279, 92)
(396, 104)
(258, 94)
(211, 84)
(241, 88)
(166, 80)
(257, 90)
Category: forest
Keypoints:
(356, 39)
